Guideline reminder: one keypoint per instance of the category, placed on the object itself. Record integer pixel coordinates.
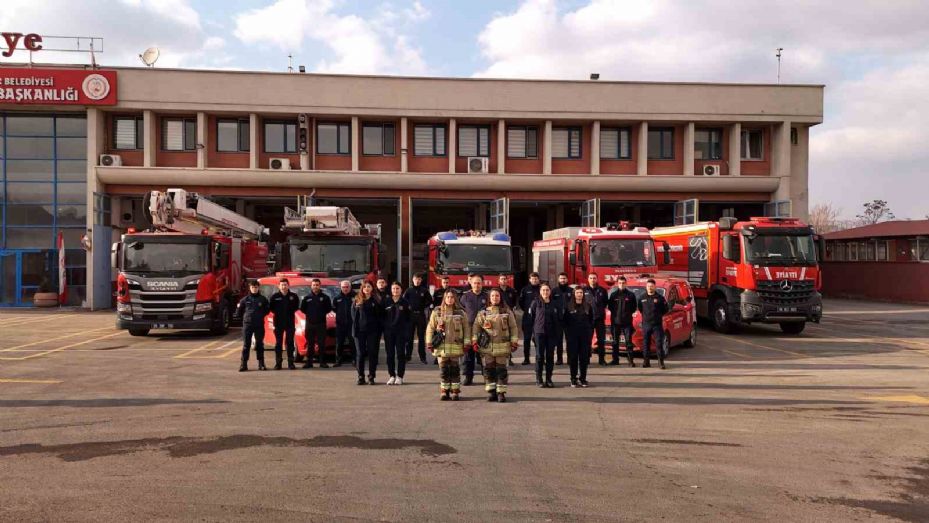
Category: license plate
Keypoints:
(163, 326)
(786, 309)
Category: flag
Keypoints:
(62, 276)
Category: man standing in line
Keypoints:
(284, 304)
(342, 305)
(622, 304)
(561, 296)
(252, 309)
(473, 301)
(597, 296)
(419, 300)
(527, 295)
(652, 307)
(315, 307)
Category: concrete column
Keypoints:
(547, 146)
(595, 148)
(780, 159)
(97, 259)
(404, 154)
(148, 141)
(501, 147)
(799, 174)
(735, 149)
(252, 141)
(356, 149)
(201, 140)
(641, 163)
(689, 149)
(452, 148)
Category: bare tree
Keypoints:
(824, 217)
(874, 212)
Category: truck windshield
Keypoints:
(166, 258)
(622, 253)
(335, 259)
(465, 258)
(780, 249)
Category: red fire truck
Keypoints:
(608, 252)
(329, 242)
(762, 270)
(190, 269)
(457, 254)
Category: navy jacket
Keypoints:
(283, 307)
(598, 298)
(545, 317)
(653, 307)
(562, 294)
(473, 303)
(418, 298)
(367, 318)
(315, 307)
(509, 296)
(252, 309)
(622, 305)
(396, 315)
(579, 319)
(342, 305)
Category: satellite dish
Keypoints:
(150, 56)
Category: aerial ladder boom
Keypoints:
(191, 213)
(326, 219)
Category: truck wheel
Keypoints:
(691, 340)
(793, 327)
(225, 319)
(666, 345)
(720, 310)
(139, 332)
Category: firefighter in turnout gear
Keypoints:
(448, 335)
(253, 309)
(495, 336)
(283, 305)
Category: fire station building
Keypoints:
(80, 146)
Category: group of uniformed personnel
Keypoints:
(473, 324)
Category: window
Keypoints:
(708, 144)
(280, 137)
(753, 144)
(882, 250)
(920, 249)
(128, 133)
(615, 144)
(378, 139)
(522, 142)
(566, 142)
(178, 134)
(333, 138)
(661, 143)
(429, 140)
(474, 140)
(232, 136)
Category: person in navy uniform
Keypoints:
(473, 301)
(397, 329)
(578, 317)
(622, 304)
(419, 300)
(509, 296)
(561, 295)
(544, 316)
(598, 298)
(527, 296)
(342, 305)
(315, 307)
(367, 325)
(652, 307)
(252, 309)
(284, 304)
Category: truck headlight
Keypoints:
(817, 308)
(203, 307)
(124, 308)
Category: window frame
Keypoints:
(718, 144)
(433, 127)
(242, 147)
(284, 124)
(662, 129)
(580, 142)
(477, 128)
(743, 139)
(619, 142)
(139, 137)
(184, 123)
(383, 126)
(338, 138)
(525, 129)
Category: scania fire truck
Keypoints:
(762, 270)
(325, 241)
(457, 254)
(608, 252)
(189, 269)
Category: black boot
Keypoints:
(661, 363)
(492, 396)
(261, 364)
(501, 397)
(538, 380)
(243, 366)
(629, 357)
(290, 362)
(469, 380)
(278, 360)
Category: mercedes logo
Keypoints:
(786, 285)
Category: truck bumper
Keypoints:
(206, 323)
(754, 309)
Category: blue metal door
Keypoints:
(21, 274)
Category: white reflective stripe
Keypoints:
(767, 271)
(802, 273)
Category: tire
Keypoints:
(225, 319)
(691, 340)
(139, 332)
(720, 316)
(666, 345)
(793, 327)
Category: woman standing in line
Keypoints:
(579, 325)
(447, 334)
(397, 326)
(545, 316)
(367, 319)
(495, 335)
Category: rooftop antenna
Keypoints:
(779, 49)
(150, 56)
(290, 63)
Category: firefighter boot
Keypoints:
(493, 395)
(278, 360)
(261, 363)
(243, 366)
(290, 362)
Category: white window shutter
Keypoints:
(609, 143)
(559, 143)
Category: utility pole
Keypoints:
(779, 49)
(290, 63)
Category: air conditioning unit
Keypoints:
(478, 165)
(111, 160)
(711, 170)
(280, 164)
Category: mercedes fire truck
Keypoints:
(609, 252)
(762, 270)
(457, 254)
(189, 269)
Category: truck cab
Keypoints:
(609, 252)
(457, 254)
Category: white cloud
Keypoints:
(358, 45)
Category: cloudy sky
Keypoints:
(872, 55)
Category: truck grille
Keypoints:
(773, 293)
(159, 305)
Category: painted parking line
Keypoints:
(208, 347)
(35, 319)
(65, 347)
(911, 398)
(920, 345)
(895, 311)
(743, 355)
(24, 380)
(760, 346)
(46, 340)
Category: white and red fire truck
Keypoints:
(328, 242)
(457, 254)
(762, 270)
(189, 269)
(609, 252)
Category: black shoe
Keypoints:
(469, 380)
(584, 383)
(501, 397)
(662, 365)
(492, 396)
(646, 364)
(307, 365)
(631, 362)
(444, 397)
(559, 362)
(539, 384)
(549, 384)
(615, 362)
(277, 366)
(573, 383)
(370, 380)
(338, 363)
(423, 361)
(261, 366)
(601, 363)
(323, 365)
(409, 359)
(291, 366)
(526, 362)
(243, 367)
(435, 361)
(361, 380)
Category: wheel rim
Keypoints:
(666, 345)
(227, 320)
(693, 335)
(720, 315)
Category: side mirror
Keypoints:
(572, 258)
(114, 255)
(820, 247)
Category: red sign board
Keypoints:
(22, 86)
